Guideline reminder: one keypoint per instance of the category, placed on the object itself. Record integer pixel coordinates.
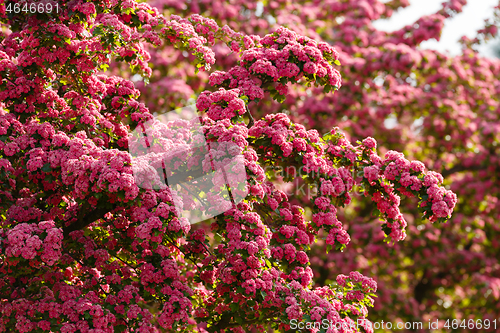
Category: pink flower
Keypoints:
(417, 166)
(310, 67)
(299, 144)
(440, 208)
(371, 173)
(341, 280)
(370, 143)
(343, 237)
(322, 203)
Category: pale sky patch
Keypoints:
(466, 23)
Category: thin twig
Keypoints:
(205, 245)
(252, 121)
(126, 263)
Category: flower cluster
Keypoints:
(222, 104)
(34, 243)
(190, 33)
(280, 58)
(239, 77)
(289, 53)
(388, 178)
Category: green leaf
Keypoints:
(46, 167)
(340, 247)
(218, 238)
(280, 98)
(237, 119)
(386, 229)
(268, 263)
(97, 31)
(336, 62)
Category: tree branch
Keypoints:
(421, 288)
(252, 121)
(84, 219)
(460, 168)
(425, 285)
(225, 322)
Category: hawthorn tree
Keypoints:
(91, 241)
(440, 109)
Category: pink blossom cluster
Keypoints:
(287, 49)
(276, 133)
(386, 179)
(223, 132)
(144, 230)
(279, 58)
(35, 243)
(239, 77)
(221, 104)
(194, 33)
(287, 136)
(320, 303)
